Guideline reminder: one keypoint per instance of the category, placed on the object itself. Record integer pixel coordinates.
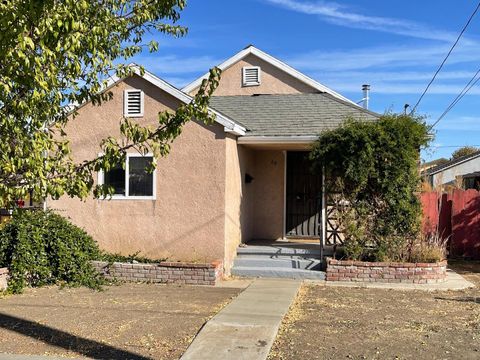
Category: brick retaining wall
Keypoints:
(3, 278)
(359, 271)
(164, 272)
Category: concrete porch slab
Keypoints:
(247, 327)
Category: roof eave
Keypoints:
(277, 140)
(443, 167)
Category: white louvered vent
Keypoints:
(251, 76)
(133, 103)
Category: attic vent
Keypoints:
(251, 76)
(133, 103)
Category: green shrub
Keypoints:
(374, 166)
(132, 258)
(42, 248)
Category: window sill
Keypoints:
(119, 197)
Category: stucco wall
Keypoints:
(247, 213)
(449, 175)
(187, 220)
(233, 201)
(263, 199)
(268, 194)
(273, 80)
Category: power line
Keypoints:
(453, 146)
(473, 81)
(446, 57)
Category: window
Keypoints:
(251, 76)
(133, 181)
(133, 103)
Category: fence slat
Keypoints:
(456, 215)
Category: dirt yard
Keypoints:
(130, 321)
(348, 323)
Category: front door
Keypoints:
(304, 197)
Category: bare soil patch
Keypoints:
(129, 321)
(359, 323)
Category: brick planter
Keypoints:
(3, 278)
(164, 272)
(387, 272)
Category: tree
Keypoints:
(374, 166)
(54, 53)
(464, 151)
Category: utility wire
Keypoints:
(473, 81)
(452, 146)
(446, 57)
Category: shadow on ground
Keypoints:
(86, 347)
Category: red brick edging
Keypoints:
(164, 272)
(390, 272)
(3, 278)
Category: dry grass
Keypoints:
(134, 321)
(360, 323)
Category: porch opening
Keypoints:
(303, 197)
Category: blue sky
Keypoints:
(395, 46)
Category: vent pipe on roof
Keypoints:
(366, 95)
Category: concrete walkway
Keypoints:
(247, 327)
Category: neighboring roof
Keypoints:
(453, 163)
(252, 50)
(472, 175)
(230, 125)
(288, 114)
(424, 167)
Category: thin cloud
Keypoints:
(398, 88)
(178, 82)
(341, 15)
(459, 123)
(389, 76)
(174, 65)
(382, 57)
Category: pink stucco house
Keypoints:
(244, 178)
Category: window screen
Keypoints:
(140, 182)
(116, 179)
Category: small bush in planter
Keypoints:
(428, 249)
(42, 248)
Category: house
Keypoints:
(463, 172)
(245, 177)
(431, 164)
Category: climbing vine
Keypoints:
(374, 165)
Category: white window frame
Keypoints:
(244, 70)
(101, 181)
(125, 103)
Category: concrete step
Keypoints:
(308, 251)
(283, 261)
(247, 271)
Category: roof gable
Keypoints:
(251, 50)
(229, 125)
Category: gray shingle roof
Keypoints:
(453, 162)
(288, 114)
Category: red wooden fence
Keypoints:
(455, 215)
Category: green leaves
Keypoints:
(54, 53)
(41, 248)
(374, 165)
